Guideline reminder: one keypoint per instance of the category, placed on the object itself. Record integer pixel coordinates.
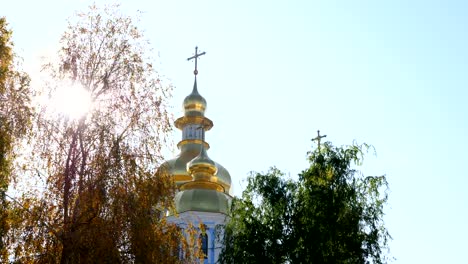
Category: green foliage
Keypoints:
(261, 221)
(332, 214)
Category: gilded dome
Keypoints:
(223, 177)
(177, 167)
(203, 200)
(202, 164)
(194, 104)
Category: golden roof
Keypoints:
(194, 104)
(202, 166)
(203, 184)
(202, 200)
(177, 167)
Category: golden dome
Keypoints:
(177, 167)
(194, 104)
(202, 200)
(203, 171)
(202, 167)
(224, 178)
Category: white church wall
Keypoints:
(213, 222)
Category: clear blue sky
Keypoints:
(390, 73)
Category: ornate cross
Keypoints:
(318, 138)
(196, 58)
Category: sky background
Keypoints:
(390, 73)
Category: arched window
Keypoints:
(204, 244)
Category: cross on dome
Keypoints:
(318, 138)
(195, 57)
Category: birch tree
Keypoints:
(100, 198)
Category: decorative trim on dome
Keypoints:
(181, 178)
(181, 122)
(195, 107)
(202, 185)
(216, 179)
(193, 141)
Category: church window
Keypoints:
(204, 244)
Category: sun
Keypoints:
(71, 100)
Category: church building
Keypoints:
(203, 185)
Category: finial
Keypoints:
(196, 59)
(195, 89)
(318, 138)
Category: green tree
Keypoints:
(15, 114)
(99, 198)
(331, 214)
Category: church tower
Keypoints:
(203, 185)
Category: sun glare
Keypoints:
(71, 100)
